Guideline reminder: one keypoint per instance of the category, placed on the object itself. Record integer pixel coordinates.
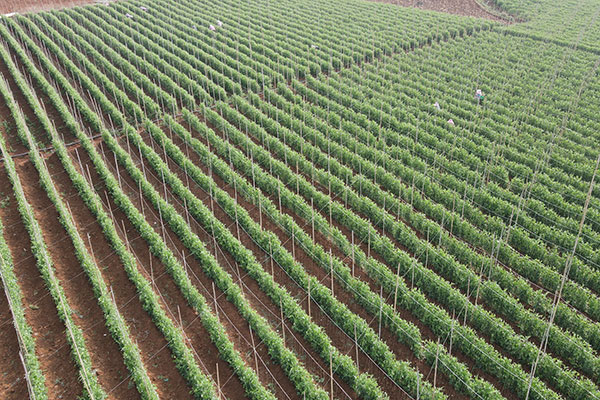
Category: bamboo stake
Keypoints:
(293, 244)
(254, 349)
(356, 345)
(282, 320)
(309, 301)
(180, 319)
(467, 301)
(271, 259)
(312, 219)
(218, 382)
(437, 354)
(369, 245)
(353, 261)
(412, 280)
(380, 311)
(331, 267)
(451, 333)
(331, 371)
(215, 297)
(396, 289)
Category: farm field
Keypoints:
(300, 200)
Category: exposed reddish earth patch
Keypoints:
(24, 6)
(459, 7)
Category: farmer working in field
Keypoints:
(479, 96)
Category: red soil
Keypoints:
(24, 6)
(460, 7)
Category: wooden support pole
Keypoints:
(237, 224)
(331, 372)
(467, 301)
(356, 345)
(437, 354)
(309, 298)
(331, 268)
(369, 245)
(271, 258)
(254, 350)
(151, 267)
(282, 320)
(383, 217)
(180, 319)
(381, 311)
(353, 260)
(260, 213)
(185, 266)
(279, 194)
(218, 382)
(117, 169)
(215, 298)
(293, 244)
(312, 219)
(451, 332)
(412, 279)
(396, 288)
(141, 199)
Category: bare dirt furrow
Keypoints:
(26, 6)
(471, 8)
